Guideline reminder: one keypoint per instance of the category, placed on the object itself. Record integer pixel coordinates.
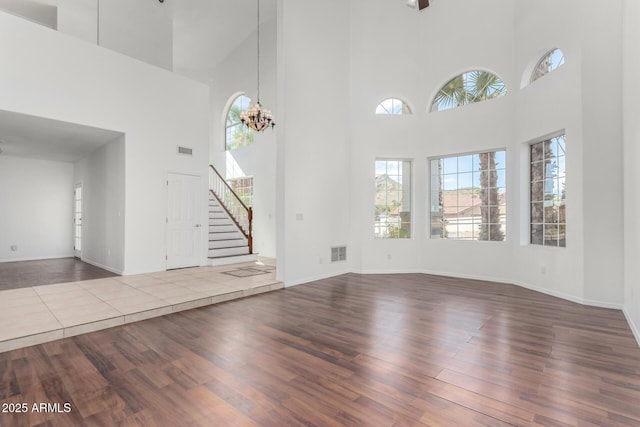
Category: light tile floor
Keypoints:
(30, 316)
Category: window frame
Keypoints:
(237, 124)
(376, 222)
(405, 108)
(466, 97)
(536, 75)
(439, 186)
(561, 176)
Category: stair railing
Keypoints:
(239, 212)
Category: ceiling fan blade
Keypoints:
(423, 4)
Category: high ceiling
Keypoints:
(205, 32)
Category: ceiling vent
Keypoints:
(185, 150)
(338, 253)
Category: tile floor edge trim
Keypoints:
(83, 328)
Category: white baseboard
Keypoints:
(632, 325)
(104, 267)
(400, 271)
(70, 255)
(562, 295)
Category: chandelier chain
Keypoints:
(256, 117)
(258, 43)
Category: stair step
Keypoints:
(226, 252)
(222, 228)
(233, 259)
(230, 243)
(226, 235)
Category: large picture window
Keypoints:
(393, 199)
(468, 197)
(547, 194)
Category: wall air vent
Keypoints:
(185, 150)
(338, 253)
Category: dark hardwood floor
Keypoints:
(24, 274)
(384, 350)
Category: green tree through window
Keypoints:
(468, 88)
(392, 204)
(236, 134)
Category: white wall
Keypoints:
(237, 74)
(155, 109)
(101, 175)
(121, 30)
(36, 214)
(550, 105)
(411, 59)
(313, 117)
(631, 110)
(77, 18)
(601, 34)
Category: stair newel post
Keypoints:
(250, 238)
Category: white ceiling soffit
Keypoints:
(34, 137)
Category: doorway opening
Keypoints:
(77, 221)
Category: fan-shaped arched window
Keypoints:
(467, 88)
(237, 134)
(394, 107)
(549, 62)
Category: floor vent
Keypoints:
(338, 253)
(185, 150)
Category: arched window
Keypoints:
(467, 88)
(237, 134)
(549, 62)
(393, 106)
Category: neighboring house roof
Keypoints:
(465, 203)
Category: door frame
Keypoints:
(197, 208)
(77, 217)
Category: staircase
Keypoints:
(230, 224)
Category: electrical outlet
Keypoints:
(14, 248)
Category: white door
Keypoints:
(77, 221)
(183, 221)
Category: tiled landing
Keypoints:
(39, 314)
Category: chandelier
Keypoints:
(422, 4)
(256, 117)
